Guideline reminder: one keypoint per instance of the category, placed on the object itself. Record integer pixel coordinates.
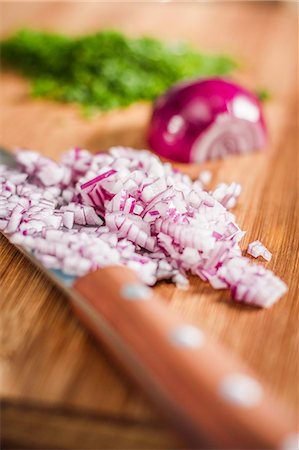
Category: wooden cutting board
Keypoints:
(58, 388)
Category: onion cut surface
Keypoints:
(126, 207)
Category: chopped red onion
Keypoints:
(256, 249)
(205, 177)
(227, 194)
(126, 207)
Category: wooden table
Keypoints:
(59, 389)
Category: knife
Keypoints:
(207, 395)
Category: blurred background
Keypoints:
(59, 389)
(260, 36)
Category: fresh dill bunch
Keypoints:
(105, 70)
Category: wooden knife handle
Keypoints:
(207, 395)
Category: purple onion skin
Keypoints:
(199, 106)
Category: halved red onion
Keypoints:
(206, 119)
(126, 207)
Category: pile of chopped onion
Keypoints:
(125, 207)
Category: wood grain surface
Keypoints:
(58, 388)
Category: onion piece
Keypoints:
(206, 119)
(227, 194)
(256, 249)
